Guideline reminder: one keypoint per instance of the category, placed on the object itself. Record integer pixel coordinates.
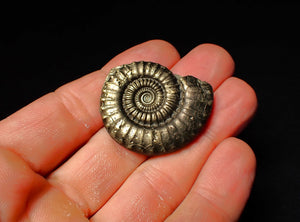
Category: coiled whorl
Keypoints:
(148, 109)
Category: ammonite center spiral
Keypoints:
(149, 110)
(147, 103)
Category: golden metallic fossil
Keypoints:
(148, 109)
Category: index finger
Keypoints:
(47, 131)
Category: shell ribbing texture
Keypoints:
(148, 109)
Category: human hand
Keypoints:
(58, 163)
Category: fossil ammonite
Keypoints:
(148, 109)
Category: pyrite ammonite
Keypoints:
(149, 110)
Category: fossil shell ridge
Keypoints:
(148, 109)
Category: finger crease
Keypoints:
(211, 198)
(74, 106)
(161, 184)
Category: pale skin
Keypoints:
(58, 163)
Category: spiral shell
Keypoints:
(148, 109)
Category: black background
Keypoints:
(44, 46)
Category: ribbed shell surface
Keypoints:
(148, 109)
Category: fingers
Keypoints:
(45, 132)
(222, 188)
(157, 186)
(26, 196)
(99, 168)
